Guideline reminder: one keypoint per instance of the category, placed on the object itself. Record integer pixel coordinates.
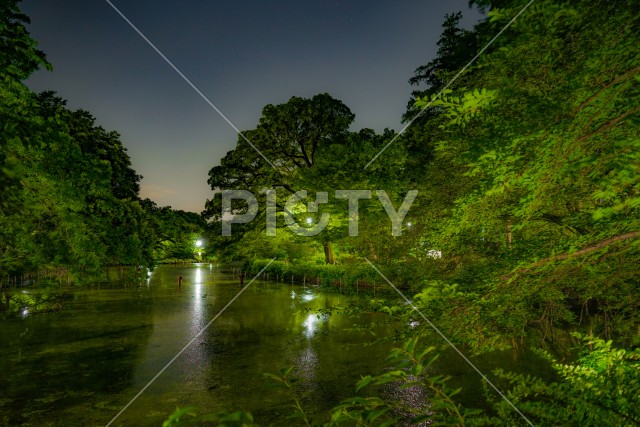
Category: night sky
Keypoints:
(242, 55)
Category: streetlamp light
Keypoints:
(199, 244)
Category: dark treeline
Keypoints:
(69, 196)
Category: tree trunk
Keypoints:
(328, 253)
(508, 233)
(372, 251)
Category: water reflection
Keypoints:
(306, 296)
(312, 323)
(198, 302)
(307, 364)
(55, 365)
(121, 339)
(196, 355)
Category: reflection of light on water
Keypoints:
(198, 301)
(197, 355)
(305, 296)
(306, 365)
(311, 324)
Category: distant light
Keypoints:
(199, 243)
(309, 220)
(408, 224)
(432, 253)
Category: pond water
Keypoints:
(83, 364)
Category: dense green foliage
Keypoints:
(528, 173)
(527, 219)
(526, 167)
(69, 195)
(601, 388)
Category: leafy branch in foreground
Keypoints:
(284, 382)
(191, 415)
(410, 371)
(602, 387)
(410, 367)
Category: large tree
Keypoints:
(289, 136)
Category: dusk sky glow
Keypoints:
(242, 56)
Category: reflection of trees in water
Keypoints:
(22, 303)
(106, 344)
(68, 362)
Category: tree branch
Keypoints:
(583, 251)
(611, 123)
(615, 81)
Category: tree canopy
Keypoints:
(69, 196)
